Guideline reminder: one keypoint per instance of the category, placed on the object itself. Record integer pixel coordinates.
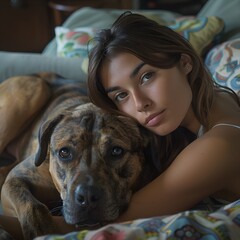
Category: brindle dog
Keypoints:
(75, 154)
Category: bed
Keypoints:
(221, 224)
(215, 34)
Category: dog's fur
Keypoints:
(78, 156)
(21, 98)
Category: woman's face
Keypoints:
(159, 99)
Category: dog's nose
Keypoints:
(87, 196)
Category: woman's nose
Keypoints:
(142, 102)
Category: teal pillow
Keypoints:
(14, 63)
(228, 11)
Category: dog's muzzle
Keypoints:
(85, 204)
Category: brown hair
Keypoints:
(155, 45)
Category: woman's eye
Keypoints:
(65, 153)
(120, 96)
(146, 77)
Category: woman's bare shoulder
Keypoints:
(209, 164)
(200, 170)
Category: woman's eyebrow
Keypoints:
(132, 75)
(136, 69)
(111, 89)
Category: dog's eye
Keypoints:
(117, 152)
(65, 153)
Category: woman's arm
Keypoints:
(205, 167)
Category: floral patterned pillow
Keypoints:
(74, 43)
(223, 61)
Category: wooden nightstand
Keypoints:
(63, 8)
(185, 7)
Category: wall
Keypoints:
(25, 28)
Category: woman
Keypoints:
(152, 74)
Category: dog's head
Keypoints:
(96, 160)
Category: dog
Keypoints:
(77, 158)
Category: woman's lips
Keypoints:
(154, 119)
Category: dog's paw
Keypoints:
(4, 235)
(37, 221)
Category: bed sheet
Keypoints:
(222, 224)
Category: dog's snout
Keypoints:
(87, 196)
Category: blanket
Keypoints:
(222, 224)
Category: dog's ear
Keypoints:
(44, 136)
